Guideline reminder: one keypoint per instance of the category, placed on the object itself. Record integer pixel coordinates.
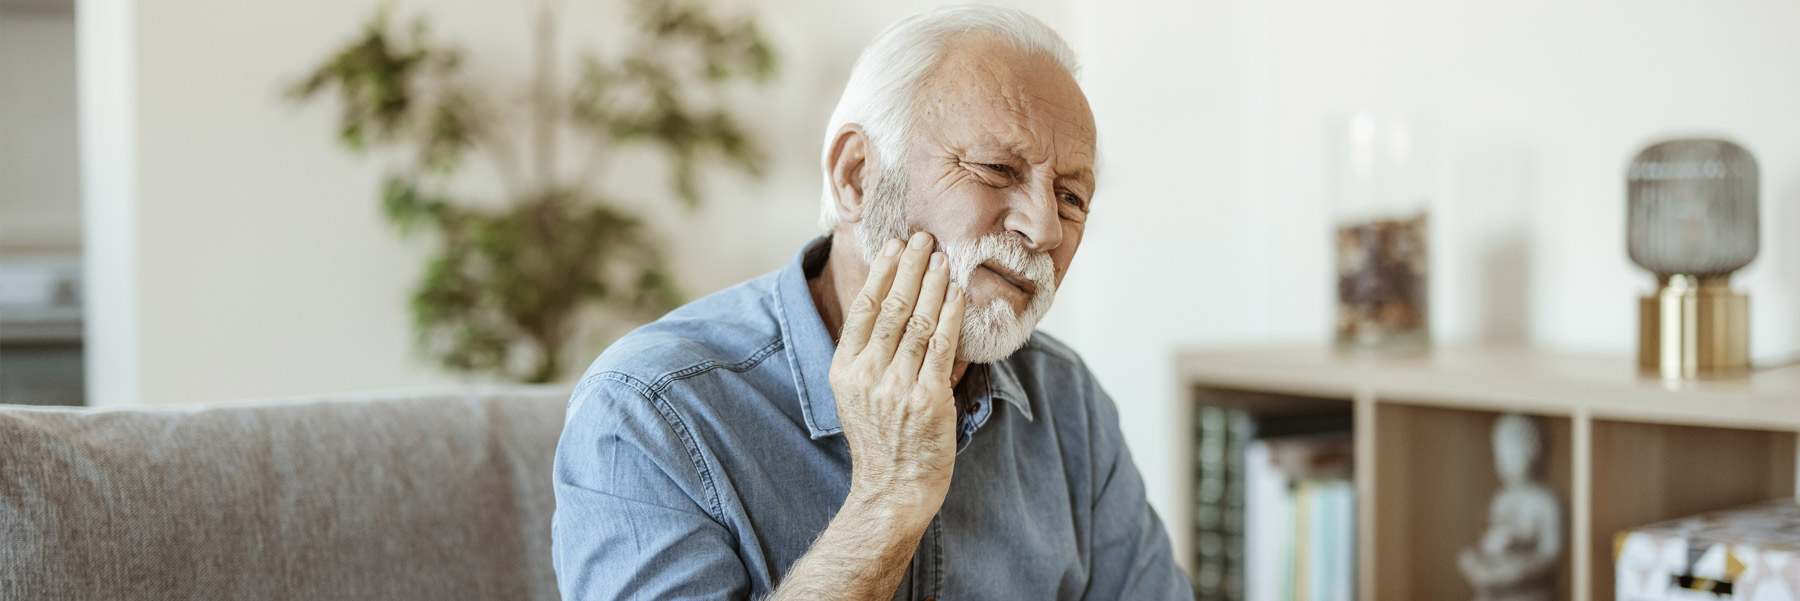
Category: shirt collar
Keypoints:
(804, 340)
(1003, 383)
(809, 347)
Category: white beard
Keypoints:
(991, 332)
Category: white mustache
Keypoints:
(1007, 251)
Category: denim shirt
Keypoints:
(701, 456)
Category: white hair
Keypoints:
(888, 75)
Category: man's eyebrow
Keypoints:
(997, 146)
(1083, 174)
(986, 150)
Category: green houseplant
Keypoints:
(507, 284)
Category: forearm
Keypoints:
(862, 554)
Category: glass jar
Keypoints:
(1381, 185)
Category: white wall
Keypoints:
(1551, 99)
(108, 132)
(40, 204)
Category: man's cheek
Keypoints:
(1061, 263)
(938, 236)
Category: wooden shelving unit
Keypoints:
(1622, 450)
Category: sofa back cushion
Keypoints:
(443, 496)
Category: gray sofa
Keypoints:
(418, 496)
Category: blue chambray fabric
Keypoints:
(701, 455)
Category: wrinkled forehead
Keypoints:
(985, 91)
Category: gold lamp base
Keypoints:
(1694, 327)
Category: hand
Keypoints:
(891, 375)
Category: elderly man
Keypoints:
(878, 419)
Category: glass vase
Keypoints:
(1381, 182)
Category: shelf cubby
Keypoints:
(1646, 473)
(1434, 475)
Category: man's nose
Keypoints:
(1035, 216)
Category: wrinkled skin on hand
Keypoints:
(893, 376)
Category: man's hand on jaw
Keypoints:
(892, 377)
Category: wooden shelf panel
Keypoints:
(1507, 379)
(1647, 473)
(1263, 403)
(1434, 476)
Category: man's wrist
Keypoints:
(863, 553)
(904, 511)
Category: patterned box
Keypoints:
(1747, 554)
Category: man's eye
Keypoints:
(1073, 200)
(998, 168)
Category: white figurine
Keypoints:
(1516, 558)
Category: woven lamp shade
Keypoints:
(1692, 208)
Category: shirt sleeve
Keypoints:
(636, 514)
(1132, 555)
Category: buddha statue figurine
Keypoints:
(1516, 558)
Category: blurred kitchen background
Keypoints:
(174, 230)
(41, 338)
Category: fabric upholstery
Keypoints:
(429, 497)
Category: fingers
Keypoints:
(940, 354)
(901, 295)
(860, 317)
(923, 322)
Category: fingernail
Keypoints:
(892, 248)
(937, 260)
(921, 239)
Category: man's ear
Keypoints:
(849, 164)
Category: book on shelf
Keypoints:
(1301, 528)
(1275, 507)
